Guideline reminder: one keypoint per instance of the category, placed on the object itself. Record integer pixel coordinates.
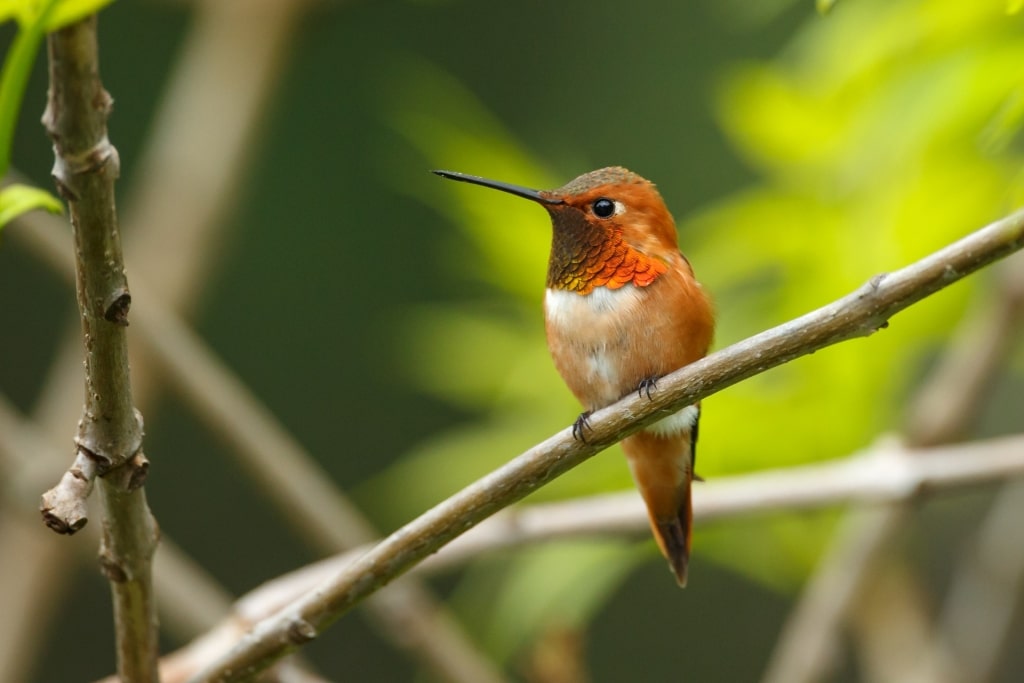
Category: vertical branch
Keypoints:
(230, 64)
(109, 433)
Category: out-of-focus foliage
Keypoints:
(883, 133)
(49, 14)
(552, 586)
(824, 5)
(16, 199)
(35, 18)
(485, 353)
(885, 130)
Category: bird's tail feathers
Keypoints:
(673, 538)
(662, 469)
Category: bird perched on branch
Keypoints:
(623, 308)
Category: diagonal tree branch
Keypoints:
(885, 473)
(858, 314)
(109, 439)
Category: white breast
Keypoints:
(599, 328)
(570, 310)
(594, 332)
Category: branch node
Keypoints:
(97, 446)
(115, 309)
(64, 506)
(300, 631)
(138, 469)
(111, 568)
(63, 189)
(100, 159)
(103, 463)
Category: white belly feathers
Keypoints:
(597, 332)
(569, 310)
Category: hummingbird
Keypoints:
(623, 308)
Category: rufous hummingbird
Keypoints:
(622, 309)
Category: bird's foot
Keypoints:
(582, 422)
(646, 385)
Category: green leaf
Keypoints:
(824, 6)
(35, 20)
(10, 9)
(70, 11)
(49, 15)
(17, 67)
(18, 199)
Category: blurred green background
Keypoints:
(393, 321)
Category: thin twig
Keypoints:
(858, 314)
(886, 473)
(110, 431)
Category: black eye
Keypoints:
(603, 207)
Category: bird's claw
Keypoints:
(582, 422)
(645, 387)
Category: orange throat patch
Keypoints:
(599, 259)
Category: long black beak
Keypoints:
(518, 190)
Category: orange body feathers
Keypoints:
(622, 308)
